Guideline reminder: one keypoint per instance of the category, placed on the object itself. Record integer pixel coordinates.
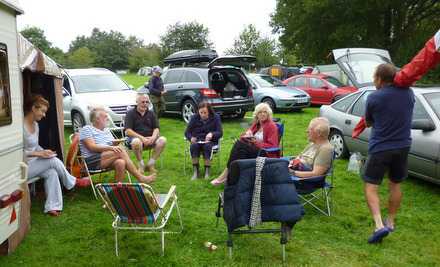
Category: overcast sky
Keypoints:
(63, 20)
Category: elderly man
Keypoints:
(155, 86)
(316, 158)
(142, 129)
(101, 150)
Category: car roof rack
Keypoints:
(195, 57)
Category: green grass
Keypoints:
(135, 80)
(83, 236)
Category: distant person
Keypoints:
(142, 128)
(263, 133)
(389, 112)
(203, 131)
(155, 86)
(102, 151)
(44, 162)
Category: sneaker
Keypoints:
(83, 182)
(378, 235)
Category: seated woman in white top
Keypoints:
(43, 162)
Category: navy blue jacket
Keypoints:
(199, 129)
(279, 199)
(155, 86)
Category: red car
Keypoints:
(322, 88)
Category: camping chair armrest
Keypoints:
(171, 193)
(271, 149)
(312, 178)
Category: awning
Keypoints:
(31, 58)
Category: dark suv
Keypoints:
(221, 82)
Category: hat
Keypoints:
(157, 69)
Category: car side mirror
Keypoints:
(423, 124)
(65, 92)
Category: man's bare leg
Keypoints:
(373, 201)
(157, 150)
(394, 200)
(137, 148)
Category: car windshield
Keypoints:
(434, 101)
(362, 66)
(334, 81)
(266, 81)
(98, 83)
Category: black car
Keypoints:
(220, 81)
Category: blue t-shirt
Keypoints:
(390, 110)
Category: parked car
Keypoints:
(273, 92)
(322, 88)
(144, 71)
(220, 82)
(359, 65)
(87, 88)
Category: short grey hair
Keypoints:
(94, 113)
(321, 125)
(139, 95)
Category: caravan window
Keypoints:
(5, 99)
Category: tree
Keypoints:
(81, 58)
(111, 48)
(313, 28)
(185, 36)
(250, 42)
(144, 56)
(36, 36)
(246, 43)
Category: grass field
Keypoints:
(83, 236)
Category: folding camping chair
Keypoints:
(280, 148)
(308, 190)
(77, 166)
(216, 150)
(274, 173)
(136, 207)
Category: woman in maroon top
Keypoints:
(262, 134)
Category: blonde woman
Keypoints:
(263, 133)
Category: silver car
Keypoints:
(424, 156)
(278, 96)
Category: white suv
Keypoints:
(87, 88)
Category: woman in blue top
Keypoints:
(203, 131)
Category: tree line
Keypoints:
(306, 30)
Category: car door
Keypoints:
(67, 100)
(424, 151)
(171, 83)
(190, 85)
(299, 82)
(354, 115)
(321, 93)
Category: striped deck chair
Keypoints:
(135, 206)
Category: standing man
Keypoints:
(389, 111)
(157, 91)
(142, 129)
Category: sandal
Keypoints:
(54, 213)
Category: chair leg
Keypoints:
(163, 242)
(218, 213)
(283, 247)
(185, 155)
(229, 244)
(93, 186)
(180, 218)
(116, 243)
(129, 177)
(327, 196)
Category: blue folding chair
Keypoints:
(317, 189)
(280, 148)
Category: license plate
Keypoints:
(302, 100)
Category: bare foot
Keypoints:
(148, 179)
(218, 181)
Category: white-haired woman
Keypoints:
(263, 133)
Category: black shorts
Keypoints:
(94, 162)
(395, 161)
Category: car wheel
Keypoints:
(270, 102)
(337, 140)
(77, 121)
(188, 109)
(241, 113)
